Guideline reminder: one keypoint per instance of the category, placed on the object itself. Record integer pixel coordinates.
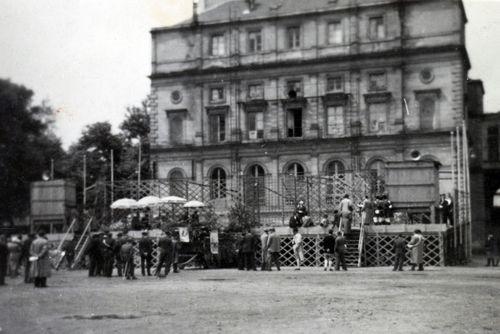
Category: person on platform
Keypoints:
(449, 215)
(14, 246)
(249, 250)
(325, 222)
(165, 250)
(4, 258)
(95, 256)
(388, 212)
(336, 220)
(399, 253)
(127, 255)
(195, 218)
(294, 221)
(340, 252)
(416, 245)
(120, 240)
(328, 250)
(146, 253)
(108, 254)
(40, 266)
(491, 248)
(25, 257)
(273, 249)
(367, 211)
(263, 242)
(176, 246)
(298, 248)
(301, 212)
(346, 208)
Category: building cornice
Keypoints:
(400, 52)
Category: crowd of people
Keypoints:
(106, 253)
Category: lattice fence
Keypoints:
(379, 250)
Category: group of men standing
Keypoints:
(32, 253)
(105, 253)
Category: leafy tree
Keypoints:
(240, 218)
(27, 144)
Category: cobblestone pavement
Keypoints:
(362, 300)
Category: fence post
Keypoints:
(307, 196)
(441, 249)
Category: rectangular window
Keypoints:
(335, 33)
(255, 92)
(335, 84)
(335, 121)
(376, 28)
(217, 128)
(254, 41)
(293, 37)
(377, 117)
(377, 81)
(255, 123)
(294, 122)
(217, 45)
(216, 94)
(294, 88)
(492, 142)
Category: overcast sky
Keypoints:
(91, 58)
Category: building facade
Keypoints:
(319, 87)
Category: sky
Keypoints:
(90, 58)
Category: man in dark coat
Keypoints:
(295, 221)
(273, 248)
(146, 252)
(94, 253)
(175, 255)
(399, 253)
(25, 257)
(127, 255)
(118, 259)
(4, 257)
(249, 250)
(165, 255)
(329, 250)
(340, 252)
(108, 254)
(491, 248)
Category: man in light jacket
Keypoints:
(416, 245)
(40, 265)
(263, 242)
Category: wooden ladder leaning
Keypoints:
(82, 244)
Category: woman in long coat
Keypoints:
(416, 245)
(40, 266)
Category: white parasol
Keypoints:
(194, 204)
(173, 200)
(148, 201)
(124, 203)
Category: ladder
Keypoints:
(82, 244)
(59, 253)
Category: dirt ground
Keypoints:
(362, 300)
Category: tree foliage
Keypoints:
(240, 218)
(27, 145)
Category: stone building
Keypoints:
(318, 87)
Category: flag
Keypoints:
(183, 234)
(214, 242)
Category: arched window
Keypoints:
(295, 169)
(176, 130)
(177, 183)
(255, 192)
(335, 168)
(376, 173)
(218, 183)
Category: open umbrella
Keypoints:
(124, 203)
(148, 201)
(194, 204)
(173, 200)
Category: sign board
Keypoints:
(183, 234)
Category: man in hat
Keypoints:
(146, 252)
(127, 255)
(94, 253)
(346, 208)
(120, 240)
(399, 253)
(249, 250)
(108, 252)
(39, 252)
(25, 257)
(416, 245)
(165, 248)
(273, 249)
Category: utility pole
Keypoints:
(84, 180)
